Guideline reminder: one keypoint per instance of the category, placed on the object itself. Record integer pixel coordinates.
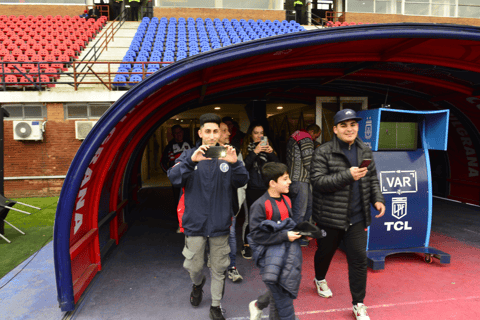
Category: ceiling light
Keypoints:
(176, 119)
(279, 107)
(217, 108)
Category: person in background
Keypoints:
(171, 152)
(236, 136)
(134, 5)
(300, 148)
(256, 152)
(85, 14)
(208, 186)
(237, 200)
(274, 247)
(94, 13)
(342, 194)
(117, 8)
(314, 131)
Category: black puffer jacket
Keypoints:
(331, 182)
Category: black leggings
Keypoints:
(355, 241)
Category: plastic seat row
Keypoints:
(343, 24)
(170, 40)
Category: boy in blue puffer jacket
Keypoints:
(275, 250)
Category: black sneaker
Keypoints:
(247, 252)
(216, 313)
(197, 293)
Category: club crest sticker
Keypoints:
(224, 167)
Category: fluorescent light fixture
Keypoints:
(279, 107)
(217, 108)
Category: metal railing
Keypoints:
(35, 81)
(102, 42)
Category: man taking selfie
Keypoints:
(208, 182)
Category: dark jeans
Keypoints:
(134, 9)
(301, 196)
(117, 8)
(251, 196)
(355, 241)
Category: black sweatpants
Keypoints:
(355, 241)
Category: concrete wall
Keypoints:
(41, 9)
(398, 18)
(220, 13)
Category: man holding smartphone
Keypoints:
(208, 185)
(342, 194)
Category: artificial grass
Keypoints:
(38, 228)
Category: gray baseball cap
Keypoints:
(344, 115)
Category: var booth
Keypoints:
(422, 66)
(401, 140)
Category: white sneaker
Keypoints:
(234, 275)
(360, 312)
(323, 289)
(255, 313)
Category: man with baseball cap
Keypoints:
(206, 216)
(342, 192)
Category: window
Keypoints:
(25, 111)
(85, 110)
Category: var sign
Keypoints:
(398, 181)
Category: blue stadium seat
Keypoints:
(119, 80)
(136, 78)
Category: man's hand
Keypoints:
(231, 156)
(259, 148)
(198, 155)
(358, 173)
(292, 236)
(381, 208)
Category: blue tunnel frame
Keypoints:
(145, 89)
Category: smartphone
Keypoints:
(365, 163)
(215, 152)
(264, 141)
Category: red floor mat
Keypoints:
(408, 288)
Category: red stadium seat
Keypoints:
(4, 52)
(33, 71)
(49, 17)
(27, 81)
(51, 73)
(17, 52)
(24, 47)
(75, 47)
(3, 37)
(18, 71)
(36, 58)
(56, 53)
(30, 52)
(49, 47)
(46, 81)
(5, 70)
(21, 17)
(23, 58)
(10, 80)
(37, 38)
(55, 43)
(62, 47)
(12, 46)
(30, 17)
(50, 58)
(61, 38)
(37, 47)
(14, 37)
(68, 43)
(71, 53)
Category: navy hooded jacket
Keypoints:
(208, 186)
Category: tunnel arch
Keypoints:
(432, 66)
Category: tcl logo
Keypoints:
(397, 226)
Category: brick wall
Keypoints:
(50, 157)
(43, 10)
(396, 18)
(220, 13)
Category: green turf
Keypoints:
(38, 228)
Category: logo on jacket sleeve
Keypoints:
(224, 167)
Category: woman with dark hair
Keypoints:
(256, 150)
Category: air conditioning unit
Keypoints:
(27, 130)
(82, 128)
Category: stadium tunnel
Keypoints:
(421, 66)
